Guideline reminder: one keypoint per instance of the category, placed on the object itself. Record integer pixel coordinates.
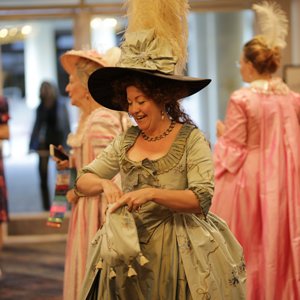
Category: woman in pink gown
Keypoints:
(257, 175)
(97, 127)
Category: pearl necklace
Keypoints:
(161, 136)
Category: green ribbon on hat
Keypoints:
(143, 50)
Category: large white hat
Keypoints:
(70, 59)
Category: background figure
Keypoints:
(4, 135)
(257, 166)
(96, 128)
(51, 126)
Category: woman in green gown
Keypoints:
(167, 184)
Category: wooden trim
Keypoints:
(64, 6)
(220, 5)
(61, 11)
(57, 11)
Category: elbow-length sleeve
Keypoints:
(230, 150)
(296, 103)
(106, 164)
(200, 171)
(103, 127)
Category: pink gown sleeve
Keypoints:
(230, 150)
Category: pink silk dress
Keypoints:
(257, 186)
(91, 137)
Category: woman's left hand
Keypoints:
(72, 197)
(134, 200)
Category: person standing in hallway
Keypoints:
(4, 135)
(51, 126)
(96, 129)
(257, 165)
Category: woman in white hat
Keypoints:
(97, 127)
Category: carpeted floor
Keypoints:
(32, 271)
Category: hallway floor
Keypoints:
(32, 271)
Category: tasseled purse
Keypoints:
(119, 243)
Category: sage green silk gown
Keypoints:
(190, 256)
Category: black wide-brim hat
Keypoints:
(101, 82)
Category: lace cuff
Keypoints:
(204, 197)
(228, 158)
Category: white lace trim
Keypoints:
(273, 86)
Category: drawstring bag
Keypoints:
(118, 242)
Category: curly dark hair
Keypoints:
(161, 91)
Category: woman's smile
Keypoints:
(144, 111)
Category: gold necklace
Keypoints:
(161, 136)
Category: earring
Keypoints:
(162, 115)
(129, 115)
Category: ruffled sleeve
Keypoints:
(230, 150)
(200, 169)
(103, 126)
(107, 163)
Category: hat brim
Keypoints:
(69, 60)
(100, 83)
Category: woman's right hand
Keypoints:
(111, 191)
(220, 128)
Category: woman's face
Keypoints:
(146, 113)
(77, 92)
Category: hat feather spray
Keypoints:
(168, 19)
(154, 45)
(273, 23)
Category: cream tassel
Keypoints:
(131, 271)
(142, 260)
(112, 273)
(99, 264)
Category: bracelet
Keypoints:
(77, 193)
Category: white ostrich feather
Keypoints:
(169, 20)
(272, 22)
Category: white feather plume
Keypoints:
(272, 22)
(169, 20)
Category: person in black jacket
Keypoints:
(51, 126)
